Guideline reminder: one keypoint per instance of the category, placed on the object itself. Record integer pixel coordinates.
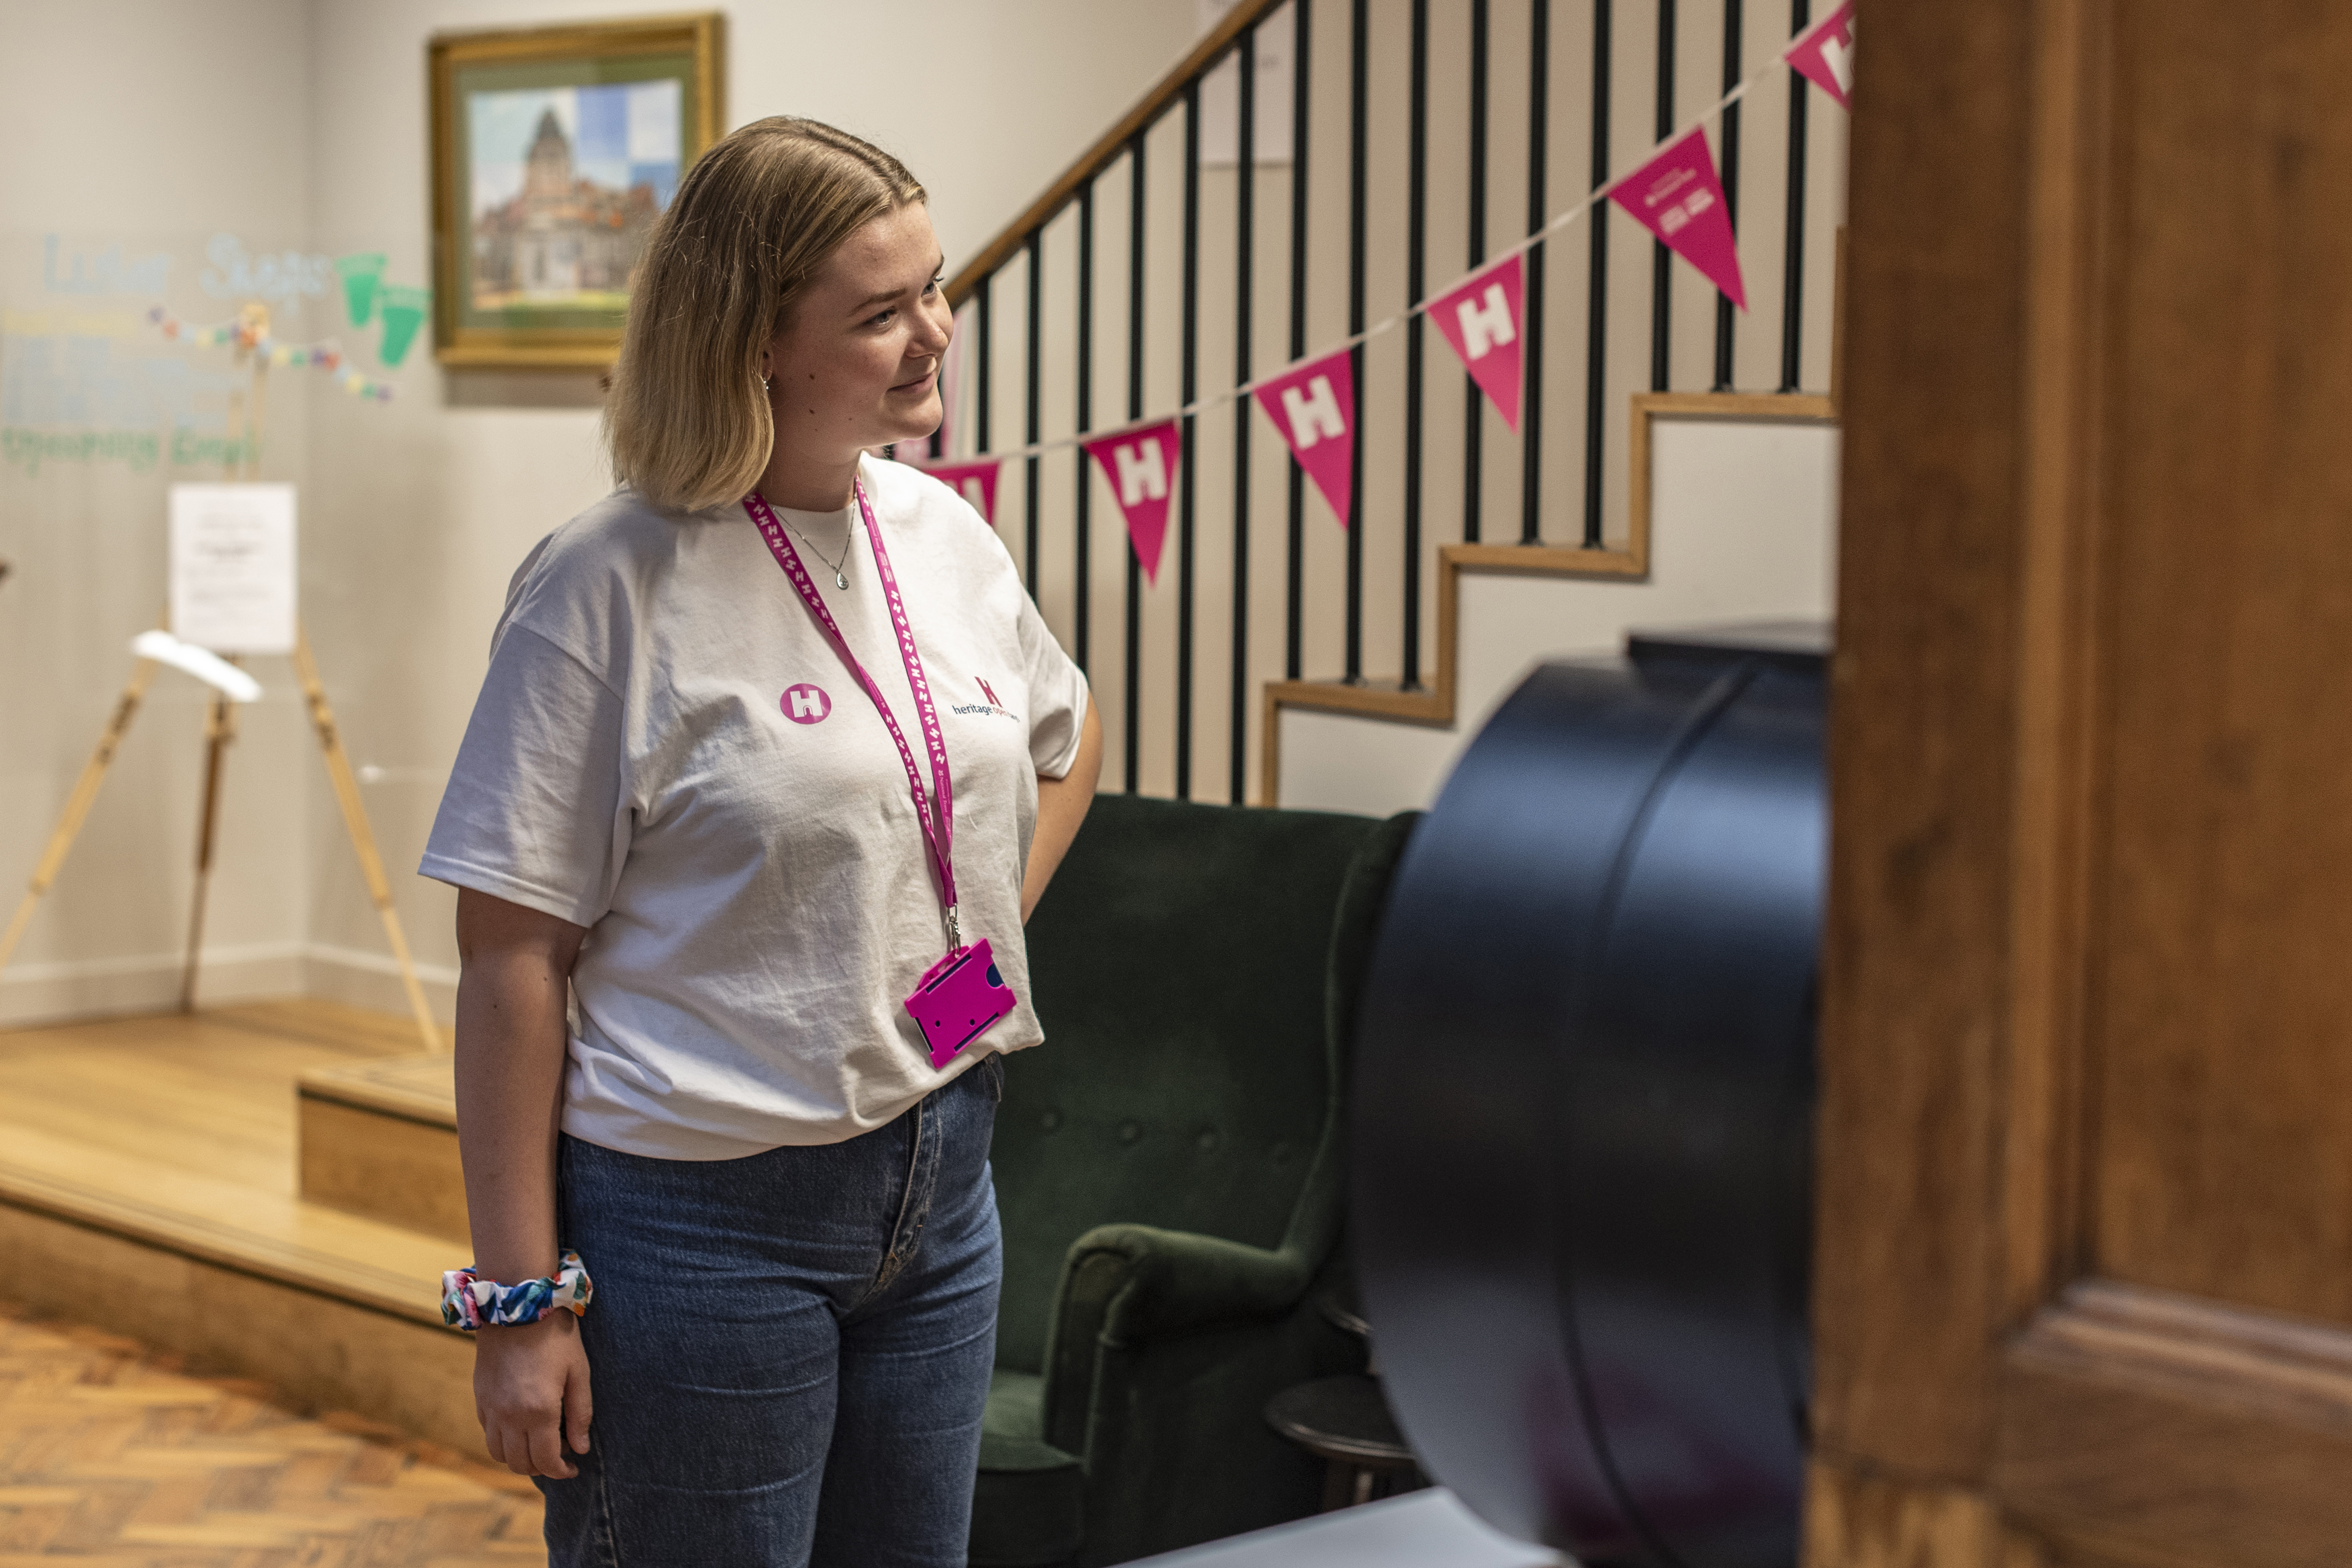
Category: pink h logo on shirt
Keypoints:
(805, 704)
(988, 691)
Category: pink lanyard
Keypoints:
(939, 835)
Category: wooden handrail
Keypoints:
(1106, 152)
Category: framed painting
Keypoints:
(554, 149)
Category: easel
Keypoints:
(220, 729)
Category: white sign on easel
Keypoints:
(233, 567)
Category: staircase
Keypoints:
(1312, 170)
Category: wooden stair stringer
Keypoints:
(1434, 705)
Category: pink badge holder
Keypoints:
(962, 997)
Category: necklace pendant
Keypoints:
(841, 581)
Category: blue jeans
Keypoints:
(788, 1353)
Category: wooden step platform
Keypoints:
(148, 1186)
(379, 1139)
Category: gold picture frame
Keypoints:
(554, 150)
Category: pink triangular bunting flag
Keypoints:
(975, 481)
(1140, 465)
(1314, 407)
(1823, 54)
(1480, 316)
(1676, 196)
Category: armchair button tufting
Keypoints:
(1207, 1138)
(1279, 1153)
(1051, 1119)
(1130, 1132)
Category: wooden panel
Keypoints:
(1854, 1519)
(402, 1172)
(2224, 1090)
(2092, 876)
(1922, 745)
(2180, 1430)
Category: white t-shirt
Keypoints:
(668, 751)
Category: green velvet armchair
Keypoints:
(1168, 1166)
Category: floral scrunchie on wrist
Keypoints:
(470, 1303)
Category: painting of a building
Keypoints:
(565, 239)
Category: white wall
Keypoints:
(301, 123)
(1743, 527)
(137, 121)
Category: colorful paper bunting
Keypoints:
(1676, 196)
(975, 481)
(242, 333)
(1823, 54)
(1140, 465)
(1314, 407)
(1480, 317)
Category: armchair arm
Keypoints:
(1157, 1282)
(1126, 1283)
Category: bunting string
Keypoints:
(326, 354)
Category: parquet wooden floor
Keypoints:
(111, 1460)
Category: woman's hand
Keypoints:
(530, 1390)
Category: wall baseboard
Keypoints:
(359, 978)
(75, 990)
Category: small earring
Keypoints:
(767, 383)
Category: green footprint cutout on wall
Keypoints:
(403, 312)
(360, 272)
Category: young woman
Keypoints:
(768, 736)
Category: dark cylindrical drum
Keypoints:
(1582, 1105)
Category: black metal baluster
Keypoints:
(1359, 95)
(1596, 331)
(1662, 278)
(1531, 334)
(1245, 237)
(1131, 750)
(1034, 424)
(1188, 376)
(1294, 622)
(1474, 402)
(1733, 24)
(1416, 233)
(1082, 618)
(981, 398)
(1792, 273)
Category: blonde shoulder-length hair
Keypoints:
(687, 420)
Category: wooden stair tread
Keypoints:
(178, 1131)
(419, 1087)
(311, 1246)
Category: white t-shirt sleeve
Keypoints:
(534, 812)
(1058, 696)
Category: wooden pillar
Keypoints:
(2084, 1291)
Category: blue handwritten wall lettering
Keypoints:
(288, 275)
(106, 273)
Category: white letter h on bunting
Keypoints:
(1483, 329)
(1142, 472)
(1316, 414)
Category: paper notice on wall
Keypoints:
(233, 567)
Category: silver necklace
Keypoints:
(839, 580)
